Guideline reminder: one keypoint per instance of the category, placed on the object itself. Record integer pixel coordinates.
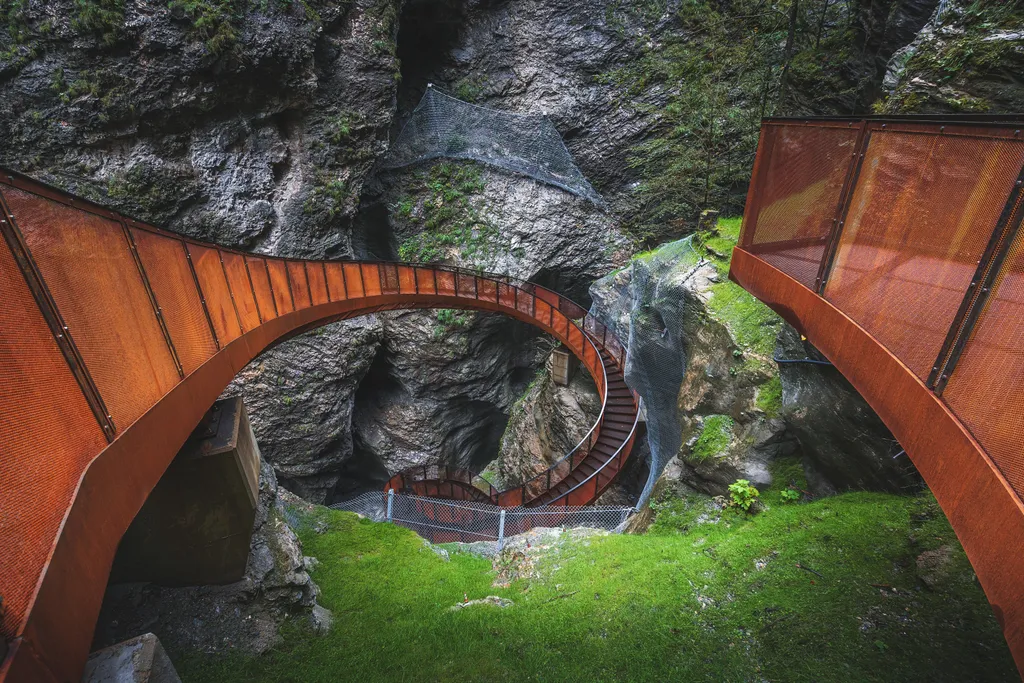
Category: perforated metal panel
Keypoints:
(336, 281)
(282, 286)
(353, 280)
(389, 278)
(371, 279)
(242, 290)
(406, 280)
(47, 436)
(986, 391)
(921, 215)
(89, 269)
(215, 292)
(425, 281)
(300, 287)
(261, 285)
(317, 283)
(175, 292)
(798, 195)
(445, 283)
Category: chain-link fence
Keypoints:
(450, 521)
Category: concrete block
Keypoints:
(196, 525)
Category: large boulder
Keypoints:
(697, 355)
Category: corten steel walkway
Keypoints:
(895, 247)
(116, 337)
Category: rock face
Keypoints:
(441, 387)
(701, 369)
(544, 424)
(967, 58)
(878, 30)
(255, 129)
(240, 616)
(843, 441)
(534, 57)
(301, 397)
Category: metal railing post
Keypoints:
(501, 530)
(391, 502)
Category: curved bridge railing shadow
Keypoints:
(115, 339)
(894, 246)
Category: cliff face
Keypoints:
(253, 126)
(967, 59)
(718, 405)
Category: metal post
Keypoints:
(391, 502)
(501, 530)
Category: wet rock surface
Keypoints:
(301, 396)
(545, 424)
(843, 442)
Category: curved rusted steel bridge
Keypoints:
(894, 246)
(116, 337)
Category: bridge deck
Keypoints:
(894, 245)
(116, 337)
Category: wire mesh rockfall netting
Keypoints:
(456, 521)
(443, 126)
(656, 352)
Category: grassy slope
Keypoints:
(683, 602)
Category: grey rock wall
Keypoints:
(301, 396)
(843, 442)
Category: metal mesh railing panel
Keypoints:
(407, 280)
(986, 391)
(799, 196)
(336, 281)
(261, 285)
(47, 436)
(281, 286)
(353, 280)
(300, 286)
(371, 279)
(443, 126)
(91, 273)
(441, 520)
(921, 216)
(241, 290)
(216, 294)
(317, 283)
(389, 278)
(175, 292)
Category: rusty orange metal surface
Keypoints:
(116, 337)
(919, 302)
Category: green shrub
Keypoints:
(789, 495)
(743, 495)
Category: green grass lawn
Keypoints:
(693, 599)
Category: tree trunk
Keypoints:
(790, 39)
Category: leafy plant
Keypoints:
(743, 495)
(789, 495)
